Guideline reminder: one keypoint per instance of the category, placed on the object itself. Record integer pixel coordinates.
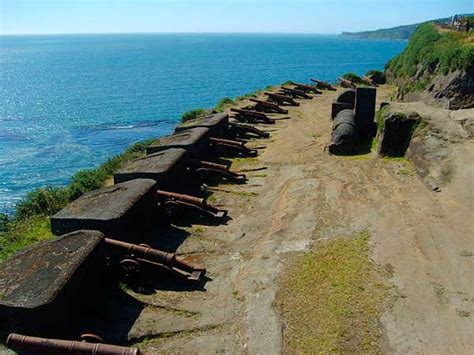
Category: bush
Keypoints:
(44, 202)
(223, 103)
(193, 114)
(353, 78)
(377, 76)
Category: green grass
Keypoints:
(433, 52)
(30, 222)
(221, 105)
(193, 114)
(331, 299)
(21, 234)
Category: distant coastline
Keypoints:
(398, 32)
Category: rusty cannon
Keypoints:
(347, 83)
(245, 130)
(281, 99)
(134, 257)
(170, 201)
(323, 85)
(307, 88)
(251, 116)
(266, 106)
(369, 81)
(205, 168)
(295, 93)
(35, 345)
(220, 144)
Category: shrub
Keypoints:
(45, 201)
(353, 77)
(193, 114)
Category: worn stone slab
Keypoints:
(167, 168)
(120, 211)
(218, 124)
(194, 140)
(39, 283)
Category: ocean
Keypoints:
(69, 102)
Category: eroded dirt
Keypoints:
(298, 193)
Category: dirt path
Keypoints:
(424, 239)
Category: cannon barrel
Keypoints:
(180, 197)
(156, 255)
(347, 83)
(296, 92)
(270, 105)
(282, 98)
(307, 88)
(227, 141)
(208, 164)
(253, 115)
(249, 129)
(35, 345)
(249, 113)
(323, 84)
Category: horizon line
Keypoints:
(163, 33)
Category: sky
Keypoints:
(255, 16)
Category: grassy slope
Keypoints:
(431, 52)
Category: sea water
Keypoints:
(69, 102)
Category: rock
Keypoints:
(455, 88)
(395, 134)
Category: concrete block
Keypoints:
(167, 168)
(194, 140)
(42, 286)
(218, 125)
(121, 211)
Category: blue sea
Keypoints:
(68, 102)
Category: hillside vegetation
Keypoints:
(399, 32)
(437, 65)
(433, 51)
